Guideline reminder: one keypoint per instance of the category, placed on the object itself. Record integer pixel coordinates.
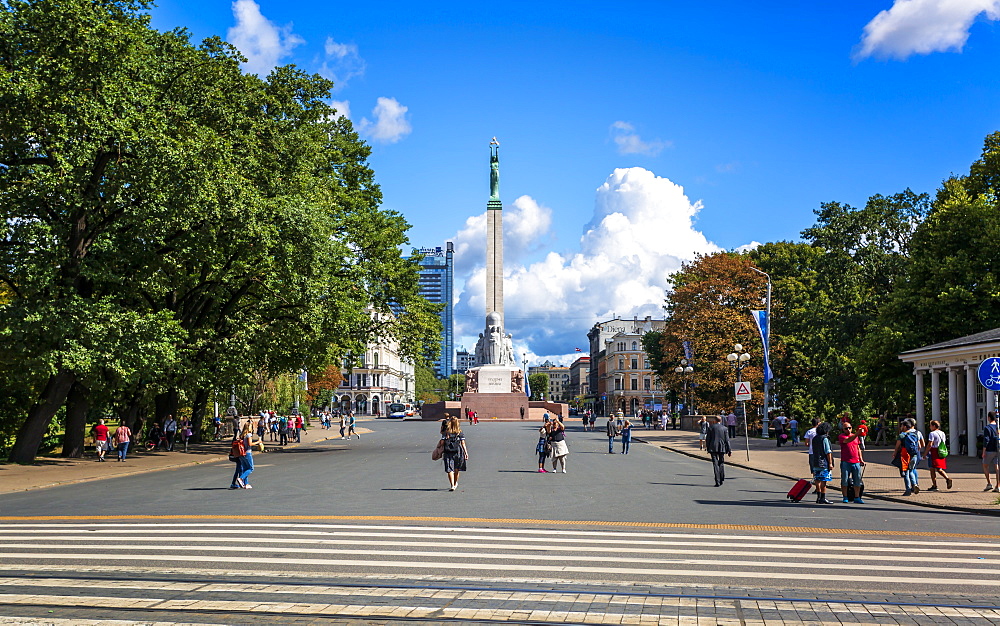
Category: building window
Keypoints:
(635, 384)
(645, 384)
(618, 384)
(635, 363)
(621, 364)
(375, 359)
(635, 345)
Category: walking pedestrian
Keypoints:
(935, 461)
(778, 428)
(612, 431)
(170, 431)
(475, 418)
(100, 432)
(851, 462)
(122, 437)
(543, 448)
(821, 456)
(216, 428)
(468, 416)
(282, 431)
(186, 432)
(557, 441)
(299, 427)
(702, 432)
(793, 430)
(626, 436)
(717, 444)
(343, 425)
(455, 452)
(909, 443)
(991, 452)
(350, 426)
(731, 424)
(262, 425)
(242, 449)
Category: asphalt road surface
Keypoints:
(367, 530)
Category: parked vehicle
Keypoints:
(399, 410)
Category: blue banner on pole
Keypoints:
(527, 385)
(760, 318)
(688, 354)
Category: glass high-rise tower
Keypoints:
(437, 281)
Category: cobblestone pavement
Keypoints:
(120, 573)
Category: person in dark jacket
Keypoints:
(717, 444)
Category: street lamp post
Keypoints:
(767, 354)
(685, 370)
(739, 359)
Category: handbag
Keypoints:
(438, 451)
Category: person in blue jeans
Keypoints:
(244, 464)
(612, 430)
(626, 436)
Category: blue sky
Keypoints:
(633, 135)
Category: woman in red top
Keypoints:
(100, 432)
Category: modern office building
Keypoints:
(437, 280)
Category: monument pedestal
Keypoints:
(501, 406)
(495, 392)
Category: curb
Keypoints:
(928, 505)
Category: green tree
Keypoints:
(173, 224)
(539, 385)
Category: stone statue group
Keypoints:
(494, 347)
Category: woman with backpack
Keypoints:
(909, 443)
(242, 451)
(821, 460)
(454, 452)
(937, 462)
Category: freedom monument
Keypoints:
(495, 386)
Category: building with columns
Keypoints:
(951, 367)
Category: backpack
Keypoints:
(912, 444)
(452, 445)
(238, 448)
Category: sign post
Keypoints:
(989, 376)
(742, 390)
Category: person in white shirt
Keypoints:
(937, 463)
(170, 431)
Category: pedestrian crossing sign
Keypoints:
(742, 391)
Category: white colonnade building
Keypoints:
(952, 367)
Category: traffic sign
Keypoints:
(989, 373)
(742, 391)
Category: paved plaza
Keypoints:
(366, 532)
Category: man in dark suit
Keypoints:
(717, 444)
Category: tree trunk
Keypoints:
(198, 413)
(77, 406)
(166, 404)
(32, 431)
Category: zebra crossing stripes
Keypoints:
(520, 552)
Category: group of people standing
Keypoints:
(618, 426)
(552, 443)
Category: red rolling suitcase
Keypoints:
(799, 490)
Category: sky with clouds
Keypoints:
(632, 137)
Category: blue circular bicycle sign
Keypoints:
(989, 373)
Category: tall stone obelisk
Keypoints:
(494, 237)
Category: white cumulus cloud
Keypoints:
(341, 62)
(922, 27)
(342, 107)
(261, 41)
(390, 123)
(641, 230)
(629, 141)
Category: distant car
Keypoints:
(572, 411)
(400, 411)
